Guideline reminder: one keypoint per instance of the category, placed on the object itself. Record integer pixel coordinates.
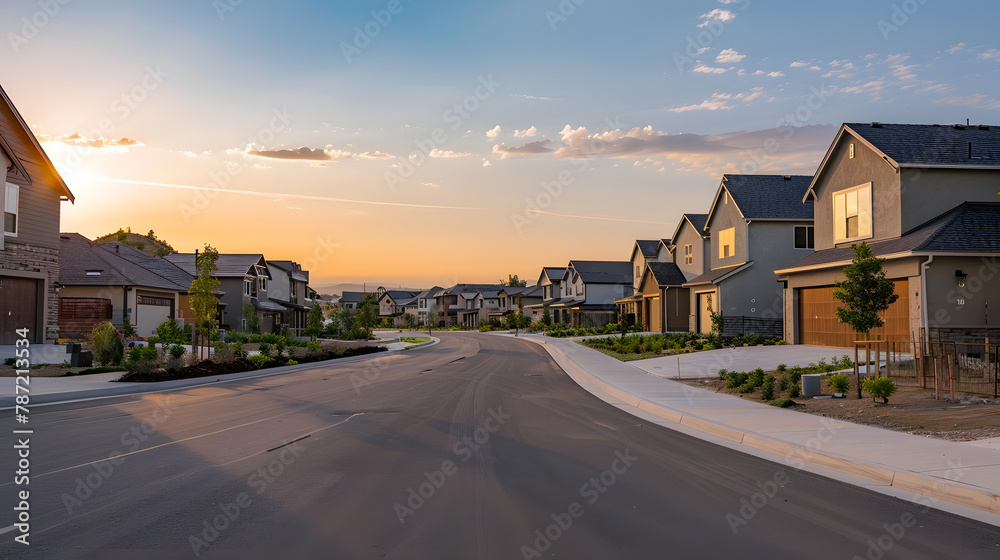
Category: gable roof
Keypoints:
(227, 266)
(60, 184)
(554, 273)
(970, 227)
(401, 297)
(353, 297)
(766, 197)
(117, 266)
(664, 273)
(927, 144)
(471, 289)
(648, 247)
(696, 221)
(603, 272)
(429, 292)
(293, 269)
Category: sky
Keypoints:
(431, 143)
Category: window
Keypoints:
(261, 283)
(725, 197)
(93, 273)
(11, 194)
(852, 213)
(636, 271)
(248, 287)
(727, 243)
(804, 237)
(850, 151)
(688, 254)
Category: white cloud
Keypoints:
(436, 153)
(715, 15)
(776, 74)
(976, 100)
(432, 185)
(815, 68)
(873, 87)
(798, 64)
(721, 101)
(936, 88)
(494, 132)
(955, 48)
(729, 56)
(758, 73)
(527, 133)
(991, 54)
(701, 68)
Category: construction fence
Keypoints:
(946, 367)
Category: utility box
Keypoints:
(811, 386)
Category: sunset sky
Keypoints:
(405, 147)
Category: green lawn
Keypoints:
(416, 339)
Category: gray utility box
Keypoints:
(811, 386)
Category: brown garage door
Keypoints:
(18, 308)
(819, 325)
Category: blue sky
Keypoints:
(634, 109)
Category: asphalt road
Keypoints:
(478, 447)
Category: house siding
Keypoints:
(947, 188)
(842, 172)
(38, 210)
(726, 216)
(699, 245)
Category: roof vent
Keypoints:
(959, 127)
(984, 127)
(876, 125)
(788, 177)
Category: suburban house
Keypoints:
(458, 305)
(691, 244)
(112, 281)
(395, 304)
(514, 298)
(757, 224)
(289, 288)
(426, 304)
(29, 244)
(665, 303)
(244, 280)
(924, 198)
(644, 251)
(351, 300)
(550, 282)
(590, 290)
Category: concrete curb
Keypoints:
(114, 389)
(934, 487)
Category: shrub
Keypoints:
(846, 362)
(168, 332)
(291, 362)
(796, 373)
(794, 391)
(108, 346)
(736, 379)
(127, 329)
(722, 374)
(783, 384)
(258, 360)
(280, 345)
(314, 346)
(879, 388)
(756, 377)
(782, 403)
(840, 383)
(782, 367)
(177, 351)
(265, 349)
(141, 359)
(747, 387)
(10, 362)
(767, 388)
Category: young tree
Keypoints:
(203, 302)
(314, 321)
(253, 319)
(367, 316)
(718, 321)
(546, 315)
(517, 320)
(408, 318)
(865, 292)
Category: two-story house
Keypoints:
(519, 298)
(757, 224)
(550, 282)
(426, 306)
(244, 280)
(351, 300)
(590, 290)
(395, 304)
(113, 281)
(457, 305)
(644, 251)
(289, 288)
(924, 198)
(29, 241)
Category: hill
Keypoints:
(148, 243)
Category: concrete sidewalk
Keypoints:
(966, 474)
(48, 390)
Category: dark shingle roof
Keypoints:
(648, 246)
(554, 272)
(126, 267)
(603, 272)
(774, 197)
(666, 273)
(925, 144)
(227, 266)
(348, 297)
(698, 221)
(713, 276)
(470, 289)
(970, 227)
(293, 269)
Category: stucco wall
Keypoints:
(699, 245)
(928, 193)
(727, 216)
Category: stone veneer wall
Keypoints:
(17, 257)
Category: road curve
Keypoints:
(477, 447)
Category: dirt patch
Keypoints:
(54, 370)
(910, 409)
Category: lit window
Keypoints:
(727, 243)
(852, 213)
(850, 151)
(804, 237)
(11, 194)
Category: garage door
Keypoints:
(819, 326)
(150, 311)
(19, 300)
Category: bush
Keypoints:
(767, 388)
(756, 377)
(747, 387)
(782, 367)
(314, 346)
(723, 373)
(141, 359)
(796, 373)
(291, 362)
(782, 403)
(879, 388)
(736, 379)
(265, 349)
(794, 391)
(280, 345)
(840, 383)
(108, 346)
(258, 360)
(783, 384)
(177, 351)
(168, 332)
